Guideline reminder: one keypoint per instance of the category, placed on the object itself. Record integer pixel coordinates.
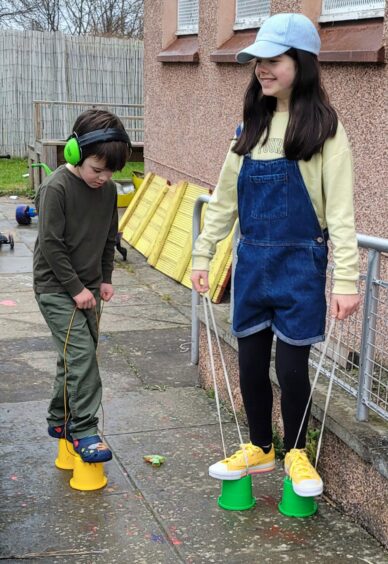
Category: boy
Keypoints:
(73, 264)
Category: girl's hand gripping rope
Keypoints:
(343, 305)
(200, 280)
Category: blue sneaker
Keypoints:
(60, 432)
(92, 449)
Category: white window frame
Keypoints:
(185, 28)
(250, 22)
(351, 10)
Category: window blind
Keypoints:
(188, 13)
(351, 9)
(251, 13)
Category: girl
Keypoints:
(288, 177)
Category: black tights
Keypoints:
(291, 363)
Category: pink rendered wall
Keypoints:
(191, 111)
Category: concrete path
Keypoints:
(152, 405)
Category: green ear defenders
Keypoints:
(73, 147)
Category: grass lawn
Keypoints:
(11, 176)
(12, 181)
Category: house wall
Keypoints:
(191, 110)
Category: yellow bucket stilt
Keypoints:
(88, 476)
(66, 455)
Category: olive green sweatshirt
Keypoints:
(328, 177)
(76, 235)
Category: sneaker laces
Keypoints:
(301, 465)
(246, 449)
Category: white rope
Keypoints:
(207, 303)
(319, 368)
(336, 356)
(210, 348)
(326, 343)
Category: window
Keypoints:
(251, 13)
(188, 15)
(335, 10)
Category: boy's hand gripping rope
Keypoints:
(208, 305)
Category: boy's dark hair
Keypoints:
(312, 118)
(115, 153)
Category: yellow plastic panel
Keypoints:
(176, 252)
(160, 216)
(219, 269)
(177, 195)
(151, 194)
(135, 201)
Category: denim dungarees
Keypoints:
(282, 255)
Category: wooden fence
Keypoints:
(53, 66)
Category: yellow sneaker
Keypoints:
(306, 481)
(235, 466)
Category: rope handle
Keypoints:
(208, 306)
(313, 386)
(67, 416)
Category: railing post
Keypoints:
(368, 335)
(194, 294)
(236, 238)
(37, 120)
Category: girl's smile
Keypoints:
(276, 77)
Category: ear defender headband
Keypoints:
(73, 148)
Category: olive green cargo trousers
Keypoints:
(83, 383)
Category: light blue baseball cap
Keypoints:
(278, 34)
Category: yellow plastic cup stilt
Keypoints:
(66, 455)
(88, 476)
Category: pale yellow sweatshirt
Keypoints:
(328, 177)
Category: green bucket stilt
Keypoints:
(236, 495)
(294, 505)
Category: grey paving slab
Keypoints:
(27, 377)
(169, 408)
(140, 410)
(18, 302)
(11, 282)
(21, 250)
(16, 326)
(160, 357)
(28, 368)
(183, 495)
(18, 264)
(127, 360)
(43, 516)
(129, 296)
(141, 317)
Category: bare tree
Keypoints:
(42, 15)
(14, 10)
(118, 18)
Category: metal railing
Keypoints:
(362, 357)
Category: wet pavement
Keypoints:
(152, 405)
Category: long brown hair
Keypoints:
(312, 118)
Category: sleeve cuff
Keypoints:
(107, 278)
(74, 287)
(200, 263)
(344, 287)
